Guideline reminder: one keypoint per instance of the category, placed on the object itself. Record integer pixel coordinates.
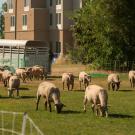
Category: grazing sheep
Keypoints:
(84, 78)
(14, 84)
(113, 79)
(98, 97)
(68, 78)
(131, 76)
(51, 94)
(21, 73)
(39, 72)
(5, 77)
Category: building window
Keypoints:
(58, 2)
(10, 4)
(26, 3)
(24, 20)
(58, 18)
(12, 21)
(51, 3)
(51, 19)
(58, 47)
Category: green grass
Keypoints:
(73, 121)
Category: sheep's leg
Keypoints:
(130, 82)
(85, 102)
(72, 85)
(45, 104)
(113, 86)
(68, 86)
(80, 85)
(108, 86)
(92, 107)
(50, 108)
(17, 92)
(63, 85)
(38, 98)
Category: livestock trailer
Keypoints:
(24, 53)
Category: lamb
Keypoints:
(68, 78)
(14, 84)
(5, 77)
(113, 79)
(51, 94)
(84, 78)
(98, 97)
(131, 76)
(21, 73)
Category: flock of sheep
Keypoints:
(95, 94)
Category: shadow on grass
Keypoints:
(70, 112)
(120, 116)
(79, 90)
(27, 97)
(24, 89)
(127, 90)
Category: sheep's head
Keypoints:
(59, 107)
(103, 110)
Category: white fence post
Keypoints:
(24, 123)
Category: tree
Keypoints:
(2, 20)
(104, 30)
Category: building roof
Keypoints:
(22, 43)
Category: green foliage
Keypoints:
(2, 19)
(104, 30)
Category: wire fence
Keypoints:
(119, 66)
(17, 123)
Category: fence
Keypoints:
(17, 123)
(119, 66)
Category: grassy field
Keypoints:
(73, 121)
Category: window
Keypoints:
(58, 47)
(58, 18)
(26, 3)
(51, 19)
(58, 2)
(24, 20)
(51, 3)
(12, 21)
(10, 4)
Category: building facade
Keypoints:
(45, 20)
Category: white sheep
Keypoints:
(14, 84)
(84, 78)
(51, 94)
(131, 76)
(114, 80)
(21, 73)
(6, 74)
(68, 78)
(98, 97)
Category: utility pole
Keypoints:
(15, 19)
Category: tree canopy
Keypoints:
(104, 30)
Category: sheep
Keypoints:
(21, 73)
(14, 84)
(131, 76)
(98, 97)
(51, 94)
(68, 78)
(113, 79)
(39, 72)
(5, 77)
(84, 78)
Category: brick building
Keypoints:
(46, 20)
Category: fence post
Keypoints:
(24, 123)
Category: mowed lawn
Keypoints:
(72, 120)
